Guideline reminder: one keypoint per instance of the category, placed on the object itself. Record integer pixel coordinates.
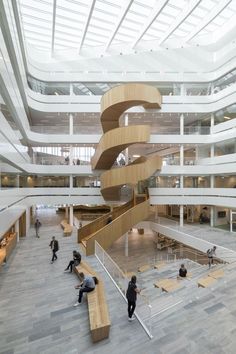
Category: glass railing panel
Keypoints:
(143, 311)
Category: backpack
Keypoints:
(95, 280)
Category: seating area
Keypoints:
(167, 285)
(211, 278)
(67, 228)
(97, 305)
(144, 268)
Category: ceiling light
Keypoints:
(225, 117)
(136, 155)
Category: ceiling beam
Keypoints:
(180, 19)
(86, 24)
(154, 14)
(208, 18)
(53, 25)
(121, 17)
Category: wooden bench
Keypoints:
(97, 306)
(167, 285)
(159, 265)
(67, 228)
(144, 268)
(2, 256)
(216, 274)
(205, 282)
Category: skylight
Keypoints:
(60, 25)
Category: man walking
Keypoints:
(54, 247)
(37, 226)
(210, 253)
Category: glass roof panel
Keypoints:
(109, 22)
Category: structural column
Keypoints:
(156, 211)
(181, 155)
(71, 182)
(71, 221)
(212, 177)
(17, 230)
(71, 132)
(67, 213)
(181, 216)
(126, 150)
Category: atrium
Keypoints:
(117, 132)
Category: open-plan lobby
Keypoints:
(117, 176)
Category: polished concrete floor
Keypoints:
(37, 313)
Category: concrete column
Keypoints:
(126, 150)
(181, 216)
(212, 181)
(126, 244)
(71, 124)
(181, 184)
(71, 215)
(156, 211)
(71, 89)
(181, 124)
(66, 213)
(71, 131)
(212, 217)
(28, 219)
(71, 155)
(71, 181)
(17, 230)
(17, 181)
(231, 220)
(182, 90)
(212, 121)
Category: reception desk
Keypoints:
(8, 243)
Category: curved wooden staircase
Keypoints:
(115, 139)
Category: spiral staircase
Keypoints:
(115, 140)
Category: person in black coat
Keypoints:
(131, 295)
(54, 247)
(37, 226)
(75, 262)
(182, 271)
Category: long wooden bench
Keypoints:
(67, 228)
(167, 285)
(205, 282)
(144, 268)
(97, 306)
(159, 265)
(2, 256)
(216, 274)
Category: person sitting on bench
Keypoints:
(75, 262)
(87, 285)
(182, 271)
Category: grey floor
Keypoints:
(37, 313)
